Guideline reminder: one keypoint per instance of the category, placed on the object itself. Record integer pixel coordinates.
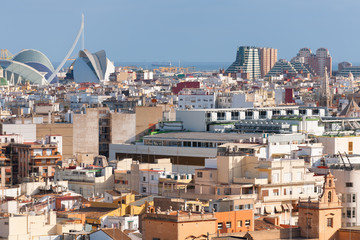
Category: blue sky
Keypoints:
(186, 30)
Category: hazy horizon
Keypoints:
(189, 31)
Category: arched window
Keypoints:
(329, 196)
(329, 183)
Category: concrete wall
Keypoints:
(192, 120)
(86, 132)
(63, 129)
(153, 229)
(123, 127)
(332, 145)
(28, 131)
(147, 117)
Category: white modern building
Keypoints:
(197, 120)
(196, 99)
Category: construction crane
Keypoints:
(5, 54)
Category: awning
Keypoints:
(268, 209)
(285, 207)
(290, 206)
(278, 208)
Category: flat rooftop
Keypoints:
(203, 136)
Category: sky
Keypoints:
(185, 30)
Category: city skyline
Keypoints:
(188, 31)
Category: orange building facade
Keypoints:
(234, 221)
(178, 225)
(34, 160)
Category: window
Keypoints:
(348, 212)
(152, 177)
(144, 179)
(349, 184)
(220, 226)
(330, 222)
(265, 193)
(48, 152)
(350, 148)
(354, 198)
(38, 152)
(239, 223)
(308, 222)
(348, 197)
(353, 212)
(329, 196)
(215, 207)
(247, 223)
(228, 224)
(276, 192)
(144, 189)
(287, 191)
(199, 174)
(210, 175)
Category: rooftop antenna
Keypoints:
(69, 52)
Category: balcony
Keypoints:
(45, 156)
(289, 197)
(255, 181)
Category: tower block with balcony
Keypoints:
(321, 219)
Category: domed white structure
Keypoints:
(94, 68)
(28, 65)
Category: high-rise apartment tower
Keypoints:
(268, 58)
(247, 61)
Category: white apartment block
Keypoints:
(196, 99)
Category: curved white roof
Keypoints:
(32, 55)
(24, 71)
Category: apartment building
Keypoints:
(268, 58)
(6, 176)
(247, 61)
(233, 215)
(143, 178)
(276, 184)
(196, 99)
(94, 130)
(33, 160)
(89, 182)
(318, 61)
(187, 150)
(35, 226)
